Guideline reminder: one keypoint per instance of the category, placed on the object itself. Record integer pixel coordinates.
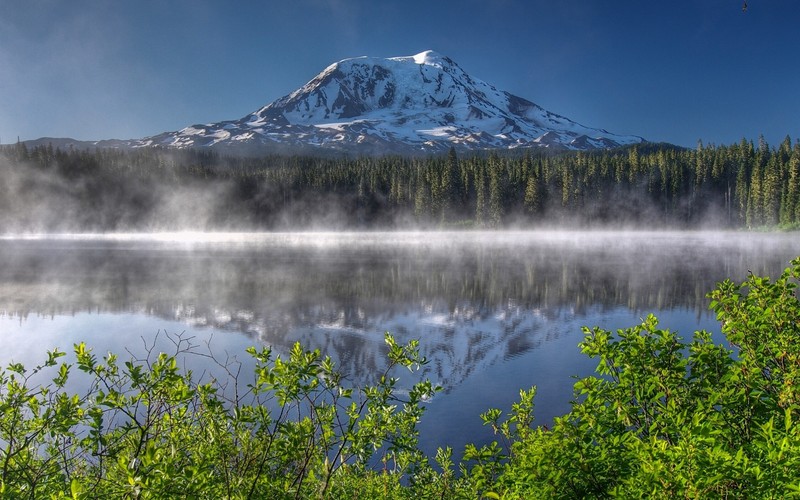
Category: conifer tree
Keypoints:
(532, 196)
(480, 195)
(495, 191)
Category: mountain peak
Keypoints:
(419, 103)
(428, 57)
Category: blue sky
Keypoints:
(674, 71)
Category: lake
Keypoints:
(494, 311)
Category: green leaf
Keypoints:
(76, 488)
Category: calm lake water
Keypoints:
(494, 311)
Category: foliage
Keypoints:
(144, 429)
(662, 417)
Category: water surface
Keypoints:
(494, 311)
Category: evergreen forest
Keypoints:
(743, 185)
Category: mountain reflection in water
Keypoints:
(476, 300)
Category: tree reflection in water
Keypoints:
(474, 299)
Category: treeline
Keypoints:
(650, 185)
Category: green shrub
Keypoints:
(662, 417)
(668, 418)
(144, 429)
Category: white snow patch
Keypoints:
(333, 126)
(193, 131)
(438, 131)
(430, 58)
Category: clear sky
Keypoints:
(674, 71)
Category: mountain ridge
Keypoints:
(425, 103)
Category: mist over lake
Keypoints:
(327, 249)
(495, 311)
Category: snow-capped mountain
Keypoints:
(421, 103)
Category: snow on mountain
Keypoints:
(420, 103)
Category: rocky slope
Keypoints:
(421, 103)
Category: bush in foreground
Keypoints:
(662, 417)
(673, 419)
(145, 429)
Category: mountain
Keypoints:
(368, 105)
(421, 103)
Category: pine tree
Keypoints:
(532, 195)
(495, 191)
(754, 204)
(742, 190)
(480, 195)
(451, 185)
(771, 192)
(421, 198)
(790, 209)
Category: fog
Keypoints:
(495, 311)
(281, 287)
(37, 200)
(117, 250)
(145, 190)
